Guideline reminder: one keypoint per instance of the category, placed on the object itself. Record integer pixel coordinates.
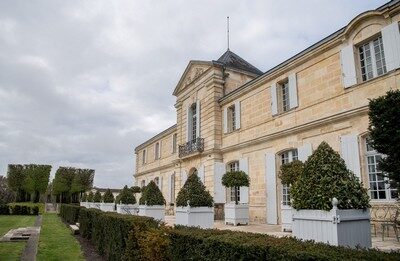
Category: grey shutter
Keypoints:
(188, 124)
(198, 122)
(350, 153)
(183, 178)
(237, 115)
(293, 102)
(270, 183)
(274, 100)
(219, 189)
(244, 191)
(391, 45)
(304, 152)
(225, 120)
(201, 173)
(348, 66)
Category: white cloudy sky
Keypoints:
(84, 82)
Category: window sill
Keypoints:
(279, 114)
(380, 77)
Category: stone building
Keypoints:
(230, 115)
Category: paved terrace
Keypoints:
(389, 244)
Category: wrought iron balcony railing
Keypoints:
(196, 145)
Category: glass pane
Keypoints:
(382, 195)
(374, 195)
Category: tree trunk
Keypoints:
(236, 197)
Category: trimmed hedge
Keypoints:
(19, 210)
(126, 237)
(109, 232)
(69, 213)
(200, 244)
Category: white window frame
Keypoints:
(174, 142)
(157, 152)
(371, 161)
(144, 157)
(287, 157)
(230, 192)
(362, 58)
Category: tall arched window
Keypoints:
(286, 157)
(193, 123)
(230, 192)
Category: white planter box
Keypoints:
(95, 205)
(236, 214)
(107, 207)
(129, 209)
(287, 216)
(89, 204)
(156, 212)
(83, 204)
(338, 227)
(195, 217)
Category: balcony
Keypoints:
(193, 146)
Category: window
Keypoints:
(230, 192)
(193, 113)
(143, 183)
(287, 157)
(174, 142)
(144, 157)
(372, 59)
(379, 184)
(231, 119)
(157, 151)
(157, 181)
(283, 96)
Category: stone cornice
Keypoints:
(160, 135)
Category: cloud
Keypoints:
(84, 82)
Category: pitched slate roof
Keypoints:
(230, 59)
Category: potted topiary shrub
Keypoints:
(84, 200)
(90, 200)
(108, 201)
(331, 204)
(194, 204)
(127, 201)
(288, 175)
(96, 200)
(152, 202)
(236, 213)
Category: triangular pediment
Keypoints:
(193, 71)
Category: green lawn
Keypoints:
(56, 241)
(13, 251)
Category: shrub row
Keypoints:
(18, 210)
(70, 213)
(126, 237)
(114, 236)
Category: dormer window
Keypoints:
(372, 59)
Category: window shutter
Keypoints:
(244, 191)
(219, 189)
(293, 102)
(160, 183)
(274, 101)
(198, 119)
(348, 66)
(350, 153)
(237, 115)
(225, 120)
(304, 152)
(188, 123)
(270, 183)
(201, 173)
(183, 178)
(170, 188)
(391, 45)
